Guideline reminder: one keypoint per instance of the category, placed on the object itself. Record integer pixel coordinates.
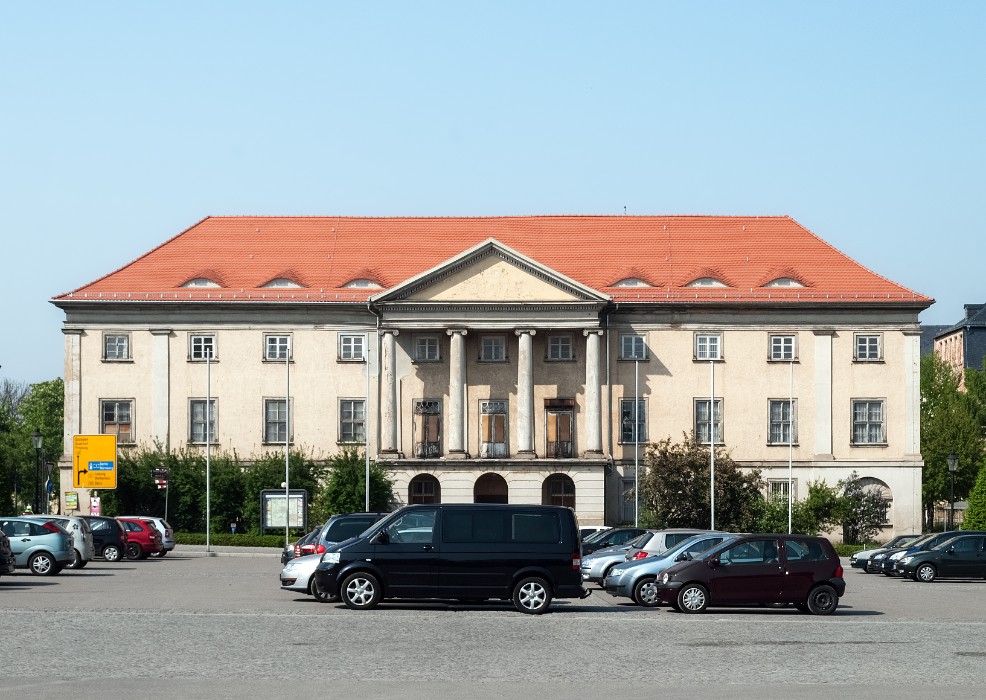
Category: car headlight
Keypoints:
(330, 558)
(666, 577)
(906, 560)
(897, 556)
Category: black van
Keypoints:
(468, 552)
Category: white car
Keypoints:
(298, 575)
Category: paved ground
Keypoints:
(218, 626)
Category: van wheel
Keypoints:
(823, 600)
(133, 551)
(43, 564)
(532, 596)
(321, 595)
(645, 593)
(111, 553)
(361, 591)
(693, 598)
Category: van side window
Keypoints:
(417, 526)
(462, 526)
(541, 528)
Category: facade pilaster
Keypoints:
(457, 384)
(388, 392)
(593, 395)
(525, 393)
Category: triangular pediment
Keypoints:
(490, 273)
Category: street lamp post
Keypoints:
(953, 466)
(37, 439)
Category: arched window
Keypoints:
(706, 282)
(361, 283)
(631, 282)
(490, 488)
(880, 488)
(281, 283)
(200, 282)
(784, 282)
(558, 490)
(424, 488)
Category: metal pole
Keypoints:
(287, 443)
(636, 440)
(37, 477)
(208, 441)
(951, 515)
(712, 444)
(366, 424)
(790, 449)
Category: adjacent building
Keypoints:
(507, 359)
(964, 345)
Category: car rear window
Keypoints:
(344, 529)
(797, 550)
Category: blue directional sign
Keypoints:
(101, 466)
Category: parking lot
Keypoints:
(220, 626)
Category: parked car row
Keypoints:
(46, 544)
(949, 554)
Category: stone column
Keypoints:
(388, 392)
(525, 394)
(823, 394)
(161, 387)
(593, 395)
(457, 383)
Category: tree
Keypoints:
(975, 516)
(816, 513)
(948, 425)
(863, 511)
(345, 490)
(675, 488)
(24, 409)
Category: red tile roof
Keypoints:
(323, 254)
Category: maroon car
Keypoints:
(143, 539)
(762, 569)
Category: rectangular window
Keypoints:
(275, 421)
(197, 426)
(277, 347)
(352, 420)
(777, 489)
(559, 432)
(783, 347)
(868, 422)
(493, 348)
(703, 427)
(632, 347)
(427, 428)
(869, 348)
(708, 346)
(627, 416)
(352, 347)
(116, 419)
(116, 346)
(782, 422)
(426, 348)
(493, 429)
(424, 491)
(201, 347)
(560, 348)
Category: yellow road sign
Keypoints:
(94, 464)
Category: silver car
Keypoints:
(662, 541)
(595, 566)
(637, 579)
(298, 575)
(43, 547)
(83, 548)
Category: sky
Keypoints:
(123, 123)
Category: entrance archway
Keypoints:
(490, 488)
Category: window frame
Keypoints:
(857, 357)
(556, 449)
(696, 345)
(625, 415)
(491, 452)
(358, 423)
(772, 357)
(717, 436)
(882, 442)
(346, 355)
(499, 341)
(420, 430)
(211, 417)
(198, 354)
(557, 342)
(287, 423)
(792, 422)
(289, 347)
(127, 355)
(103, 403)
(424, 341)
(633, 357)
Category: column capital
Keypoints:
(524, 331)
(592, 331)
(456, 331)
(160, 331)
(390, 331)
(72, 331)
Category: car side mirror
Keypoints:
(951, 550)
(381, 538)
(714, 562)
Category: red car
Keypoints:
(143, 539)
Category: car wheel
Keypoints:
(822, 600)
(602, 580)
(111, 553)
(77, 562)
(144, 555)
(532, 596)
(803, 607)
(645, 593)
(43, 564)
(133, 551)
(361, 591)
(693, 598)
(321, 595)
(925, 573)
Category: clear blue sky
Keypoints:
(123, 123)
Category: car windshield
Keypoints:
(598, 535)
(640, 540)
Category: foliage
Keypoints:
(675, 488)
(227, 539)
(948, 424)
(345, 489)
(863, 511)
(812, 515)
(24, 409)
(975, 516)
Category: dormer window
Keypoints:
(784, 282)
(361, 283)
(631, 282)
(281, 283)
(706, 282)
(199, 282)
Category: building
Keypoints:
(508, 359)
(964, 345)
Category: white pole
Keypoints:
(366, 423)
(208, 440)
(287, 443)
(712, 444)
(790, 449)
(636, 440)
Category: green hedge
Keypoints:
(847, 550)
(226, 539)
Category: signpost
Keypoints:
(94, 463)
